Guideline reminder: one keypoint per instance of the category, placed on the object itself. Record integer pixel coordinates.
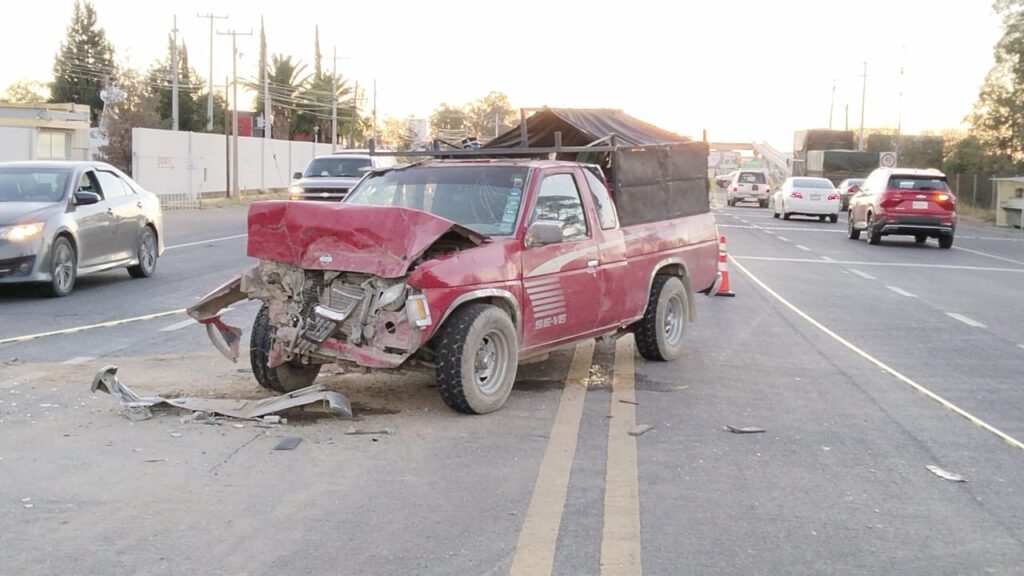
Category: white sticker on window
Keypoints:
(907, 184)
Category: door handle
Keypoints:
(110, 211)
(591, 263)
(139, 204)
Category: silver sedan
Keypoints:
(62, 220)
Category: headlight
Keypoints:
(391, 295)
(21, 231)
(294, 192)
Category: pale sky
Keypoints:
(746, 69)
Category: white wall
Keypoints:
(16, 144)
(168, 162)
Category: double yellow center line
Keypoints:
(620, 541)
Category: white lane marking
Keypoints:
(783, 238)
(827, 259)
(965, 320)
(1021, 346)
(901, 291)
(889, 264)
(90, 326)
(987, 255)
(767, 231)
(885, 367)
(804, 248)
(178, 325)
(862, 274)
(210, 241)
(79, 360)
(783, 228)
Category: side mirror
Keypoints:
(83, 198)
(543, 232)
(297, 176)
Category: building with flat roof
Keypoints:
(41, 131)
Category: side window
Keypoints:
(88, 183)
(111, 185)
(602, 200)
(559, 200)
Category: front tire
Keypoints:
(478, 355)
(659, 334)
(63, 268)
(874, 234)
(285, 378)
(146, 254)
(920, 238)
(851, 229)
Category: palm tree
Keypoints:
(317, 101)
(286, 85)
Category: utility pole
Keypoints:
(234, 105)
(497, 119)
(209, 97)
(863, 99)
(227, 144)
(832, 105)
(334, 100)
(847, 125)
(174, 75)
(267, 127)
(374, 130)
(355, 113)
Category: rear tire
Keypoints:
(833, 218)
(946, 241)
(63, 268)
(763, 203)
(146, 254)
(659, 334)
(285, 378)
(821, 218)
(478, 355)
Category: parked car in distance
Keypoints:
(62, 220)
(723, 180)
(331, 177)
(806, 196)
(749, 186)
(846, 189)
(907, 202)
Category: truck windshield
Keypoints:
(336, 167)
(485, 199)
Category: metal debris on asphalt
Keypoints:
(745, 429)
(313, 398)
(156, 460)
(633, 402)
(638, 430)
(12, 362)
(288, 443)
(945, 474)
(360, 432)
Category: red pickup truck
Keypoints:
(469, 266)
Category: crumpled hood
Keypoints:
(379, 240)
(22, 212)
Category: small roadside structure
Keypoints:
(1010, 201)
(41, 131)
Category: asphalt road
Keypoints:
(836, 484)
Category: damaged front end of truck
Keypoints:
(334, 282)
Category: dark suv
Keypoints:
(906, 202)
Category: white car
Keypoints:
(806, 196)
(749, 186)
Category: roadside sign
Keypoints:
(887, 159)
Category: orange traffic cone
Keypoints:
(723, 269)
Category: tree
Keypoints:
(490, 116)
(448, 117)
(396, 134)
(286, 81)
(316, 106)
(84, 62)
(137, 109)
(191, 111)
(997, 120)
(26, 92)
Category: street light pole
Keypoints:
(863, 99)
(234, 106)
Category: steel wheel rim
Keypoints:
(674, 314)
(147, 252)
(490, 362)
(63, 267)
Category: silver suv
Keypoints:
(749, 185)
(331, 177)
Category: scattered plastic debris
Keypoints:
(201, 418)
(288, 443)
(174, 433)
(156, 460)
(313, 398)
(641, 429)
(945, 474)
(359, 432)
(12, 362)
(633, 402)
(745, 429)
(272, 419)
